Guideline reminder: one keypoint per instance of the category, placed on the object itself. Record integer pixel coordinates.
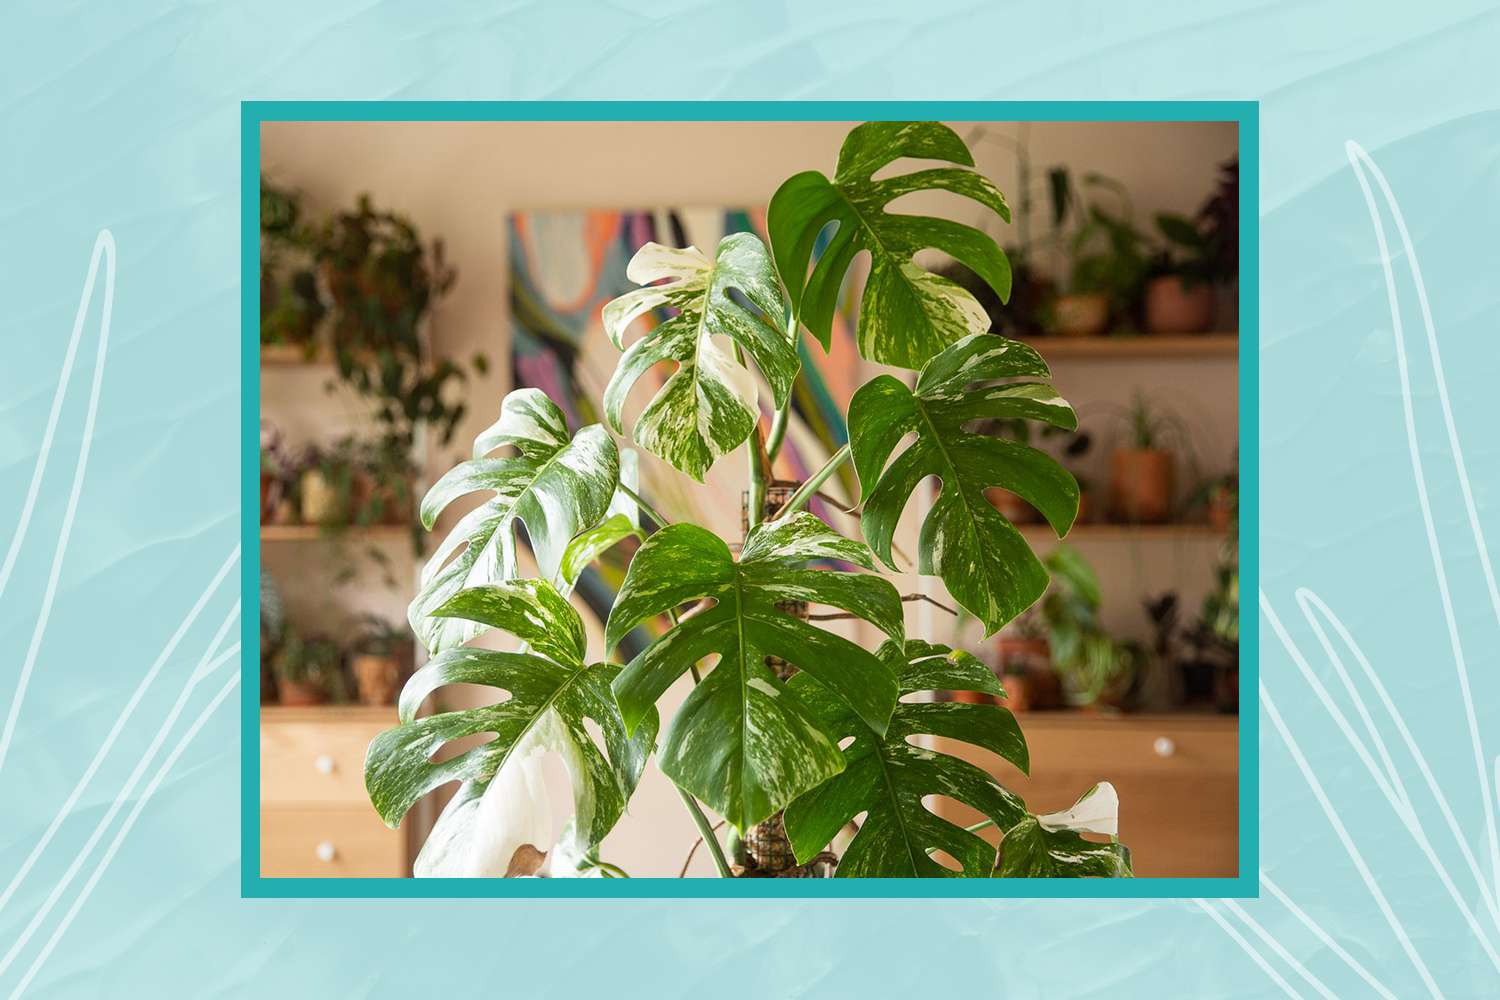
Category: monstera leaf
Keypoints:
(886, 777)
(555, 486)
(552, 691)
(708, 405)
(743, 742)
(907, 314)
(981, 557)
(1050, 846)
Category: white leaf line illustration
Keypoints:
(209, 663)
(104, 250)
(1386, 775)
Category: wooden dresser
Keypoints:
(1177, 776)
(315, 819)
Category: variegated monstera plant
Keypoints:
(794, 732)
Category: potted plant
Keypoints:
(307, 670)
(1106, 256)
(384, 478)
(1093, 666)
(375, 660)
(1141, 475)
(1198, 253)
(824, 713)
(291, 305)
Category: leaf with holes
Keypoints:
(743, 742)
(707, 407)
(907, 314)
(981, 557)
(887, 777)
(552, 691)
(554, 485)
(1050, 846)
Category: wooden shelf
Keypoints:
(1126, 532)
(316, 532)
(1143, 347)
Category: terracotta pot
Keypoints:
(299, 692)
(974, 698)
(1140, 485)
(1080, 315)
(1220, 508)
(267, 495)
(1016, 510)
(320, 501)
(1032, 690)
(1173, 306)
(1028, 652)
(375, 677)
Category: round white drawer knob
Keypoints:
(323, 763)
(326, 851)
(1164, 746)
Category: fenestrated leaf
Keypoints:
(1050, 846)
(743, 742)
(981, 557)
(887, 777)
(555, 486)
(708, 405)
(907, 314)
(552, 690)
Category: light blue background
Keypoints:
(128, 120)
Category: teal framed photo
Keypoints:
(1244, 115)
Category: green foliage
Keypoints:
(708, 405)
(1089, 660)
(907, 314)
(555, 485)
(982, 559)
(746, 742)
(886, 777)
(552, 691)
(743, 742)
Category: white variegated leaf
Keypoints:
(985, 562)
(707, 406)
(907, 314)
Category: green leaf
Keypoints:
(1029, 850)
(1180, 230)
(593, 543)
(981, 557)
(552, 691)
(555, 486)
(887, 777)
(907, 314)
(743, 742)
(708, 405)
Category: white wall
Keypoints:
(460, 180)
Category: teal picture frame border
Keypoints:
(1246, 114)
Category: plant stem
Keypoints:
(805, 492)
(778, 431)
(615, 871)
(645, 507)
(706, 831)
(757, 453)
(980, 825)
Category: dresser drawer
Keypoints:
(347, 843)
(1177, 779)
(318, 761)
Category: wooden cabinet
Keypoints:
(1177, 775)
(315, 817)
